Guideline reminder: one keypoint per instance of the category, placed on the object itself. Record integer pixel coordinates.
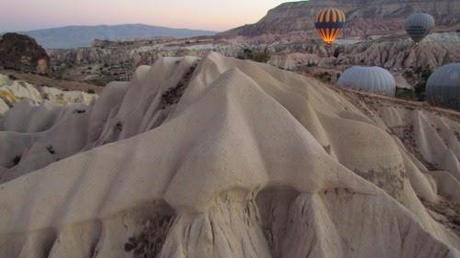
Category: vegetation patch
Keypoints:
(173, 95)
(261, 56)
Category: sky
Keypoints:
(216, 15)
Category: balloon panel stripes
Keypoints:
(329, 24)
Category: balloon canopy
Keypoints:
(329, 23)
(443, 86)
(372, 79)
(419, 25)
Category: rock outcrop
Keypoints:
(227, 158)
(22, 53)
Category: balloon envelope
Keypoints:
(443, 86)
(419, 25)
(372, 79)
(329, 23)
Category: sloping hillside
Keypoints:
(365, 17)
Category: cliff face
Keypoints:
(365, 17)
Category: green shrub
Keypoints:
(325, 77)
(261, 56)
(407, 94)
(423, 74)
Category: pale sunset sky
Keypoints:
(217, 15)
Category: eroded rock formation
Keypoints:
(243, 160)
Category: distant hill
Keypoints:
(364, 17)
(83, 36)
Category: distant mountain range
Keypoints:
(83, 36)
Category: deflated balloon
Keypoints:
(372, 79)
(329, 23)
(443, 86)
(419, 25)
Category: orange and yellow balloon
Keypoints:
(329, 23)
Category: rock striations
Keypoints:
(218, 157)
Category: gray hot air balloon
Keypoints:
(419, 25)
(443, 86)
(372, 79)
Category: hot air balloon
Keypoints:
(372, 79)
(419, 25)
(329, 23)
(443, 86)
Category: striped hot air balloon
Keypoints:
(329, 23)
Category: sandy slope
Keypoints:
(227, 158)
